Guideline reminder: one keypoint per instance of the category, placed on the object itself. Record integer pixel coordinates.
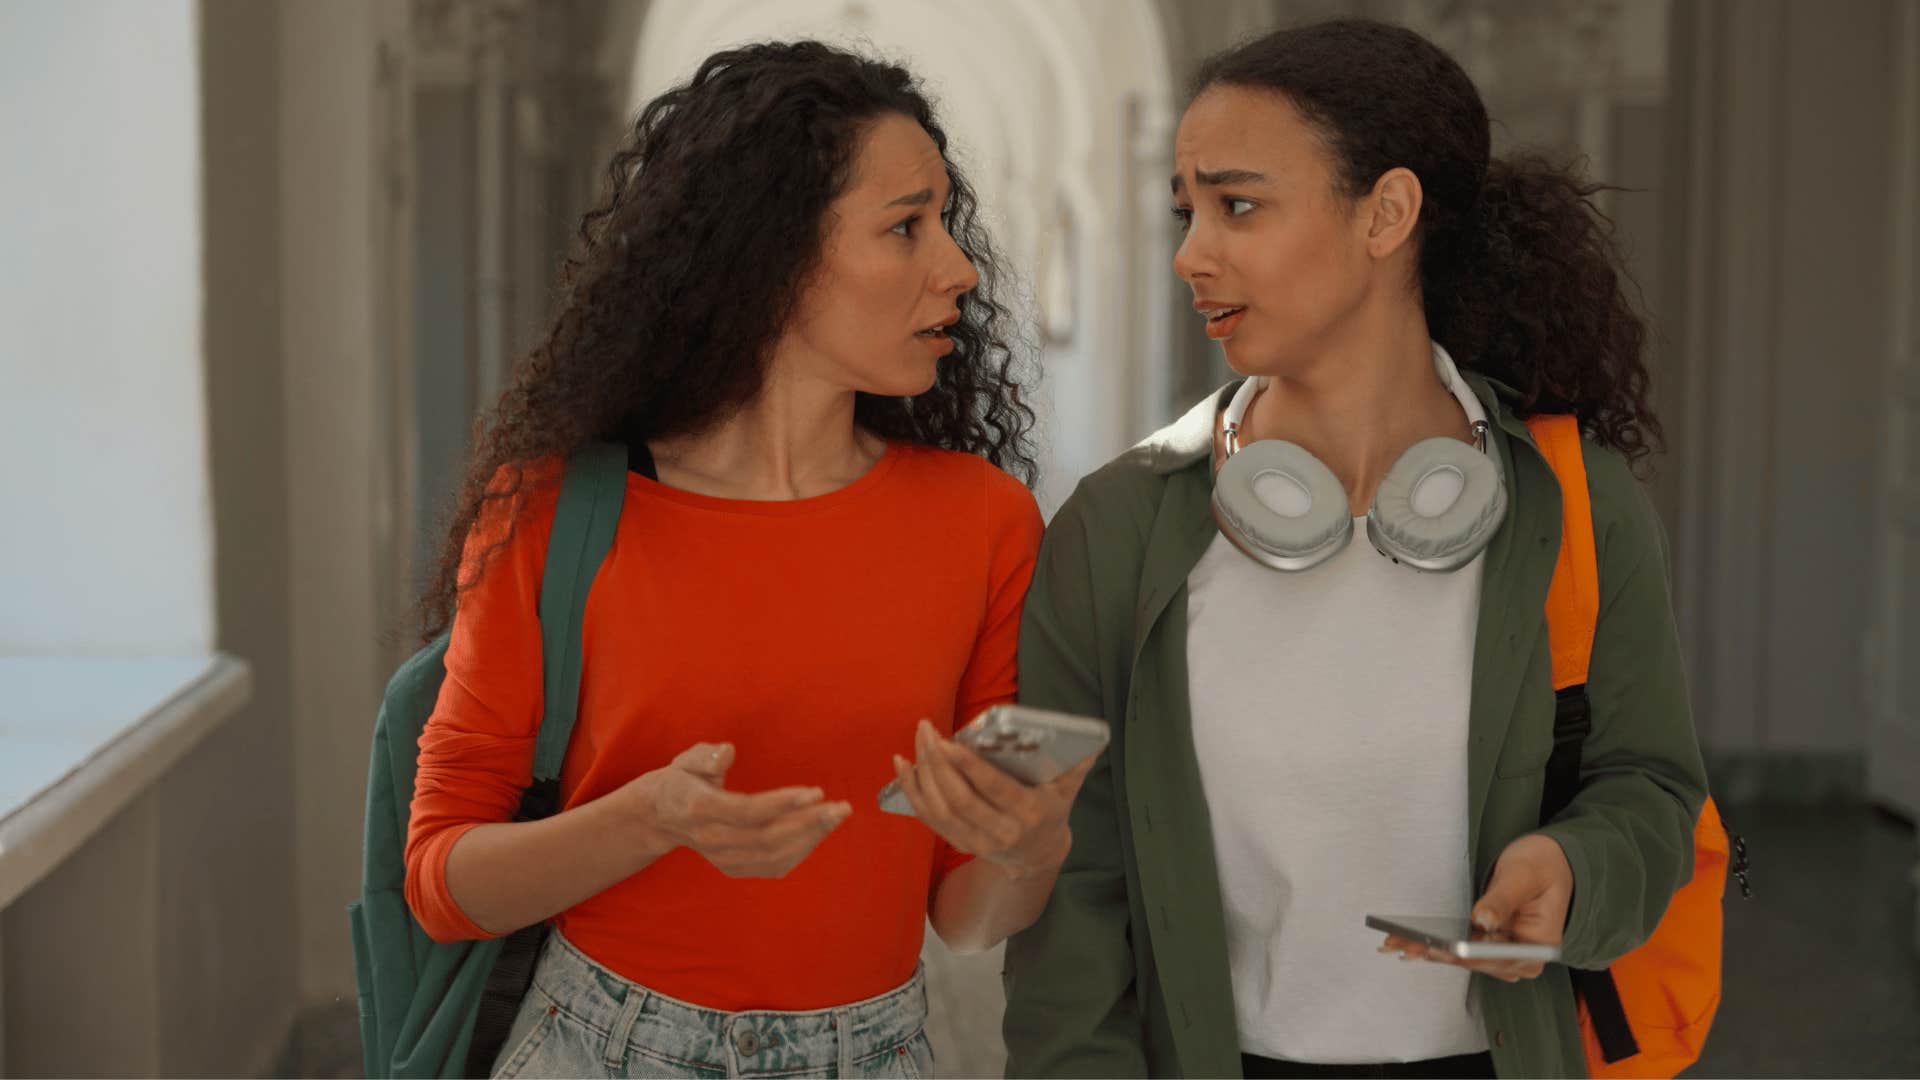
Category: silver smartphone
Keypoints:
(1459, 937)
(1031, 745)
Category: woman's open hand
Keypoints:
(766, 834)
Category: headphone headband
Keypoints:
(1235, 415)
(1237, 411)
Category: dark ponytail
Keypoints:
(1519, 272)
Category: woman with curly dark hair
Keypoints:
(783, 308)
(1306, 732)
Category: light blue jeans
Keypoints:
(579, 1019)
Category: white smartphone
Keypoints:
(1459, 937)
(1031, 745)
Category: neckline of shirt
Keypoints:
(812, 504)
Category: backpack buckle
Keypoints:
(540, 800)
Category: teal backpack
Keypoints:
(433, 1010)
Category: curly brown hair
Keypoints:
(690, 267)
(1518, 269)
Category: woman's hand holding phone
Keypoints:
(984, 812)
(763, 835)
(1527, 900)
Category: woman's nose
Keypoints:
(957, 274)
(1193, 259)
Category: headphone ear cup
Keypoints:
(1438, 507)
(1281, 506)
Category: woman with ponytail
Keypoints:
(784, 309)
(1306, 732)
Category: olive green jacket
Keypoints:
(1126, 972)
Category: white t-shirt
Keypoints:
(1330, 721)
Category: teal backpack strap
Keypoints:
(432, 1009)
(583, 526)
(591, 494)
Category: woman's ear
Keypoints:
(1393, 209)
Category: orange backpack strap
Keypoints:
(1573, 611)
(1573, 600)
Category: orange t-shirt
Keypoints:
(813, 635)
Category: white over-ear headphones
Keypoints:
(1437, 508)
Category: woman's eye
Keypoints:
(1237, 207)
(905, 228)
(1184, 216)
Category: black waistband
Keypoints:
(1479, 1066)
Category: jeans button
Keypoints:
(748, 1042)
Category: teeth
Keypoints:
(1223, 313)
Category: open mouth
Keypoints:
(1223, 314)
(938, 331)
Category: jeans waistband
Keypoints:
(742, 1043)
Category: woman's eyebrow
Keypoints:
(918, 198)
(1220, 178)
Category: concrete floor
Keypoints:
(1822, 977)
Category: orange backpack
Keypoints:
(1648, 1014)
